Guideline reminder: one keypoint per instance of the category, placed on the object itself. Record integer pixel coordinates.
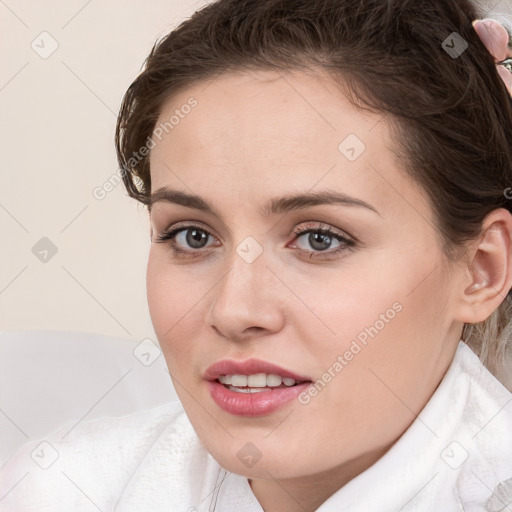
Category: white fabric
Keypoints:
(50, 377)
(453, 457)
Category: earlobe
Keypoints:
(490, 269)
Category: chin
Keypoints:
(263, 469)
(260, 462)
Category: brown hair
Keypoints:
(452, 113)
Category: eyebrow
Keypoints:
(274, 206)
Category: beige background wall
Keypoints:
(57, 121)
(58, 113)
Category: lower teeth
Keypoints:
(252, 390)
(247, 390)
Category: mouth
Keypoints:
(253, 387)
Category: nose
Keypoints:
(247, 301)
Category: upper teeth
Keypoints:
(258, 380)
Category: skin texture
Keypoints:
(259, 135)
(495, 38)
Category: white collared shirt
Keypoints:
(455, 456)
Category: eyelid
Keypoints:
(322, 226)
(184, 225)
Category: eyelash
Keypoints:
(168, 237)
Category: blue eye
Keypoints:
(195, 237)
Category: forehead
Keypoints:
(273, 131)
(270, 110)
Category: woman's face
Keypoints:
(368, 319)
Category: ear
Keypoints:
(488, 276)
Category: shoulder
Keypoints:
(88, 461)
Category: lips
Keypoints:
(252, 401)
(249, 367)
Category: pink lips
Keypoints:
(252, 404)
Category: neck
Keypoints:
(306, 494)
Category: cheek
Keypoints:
(347, 302)
(175, 304)
(168, 293)
(390, 311)
(162, 299)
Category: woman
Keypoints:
(327, 185)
